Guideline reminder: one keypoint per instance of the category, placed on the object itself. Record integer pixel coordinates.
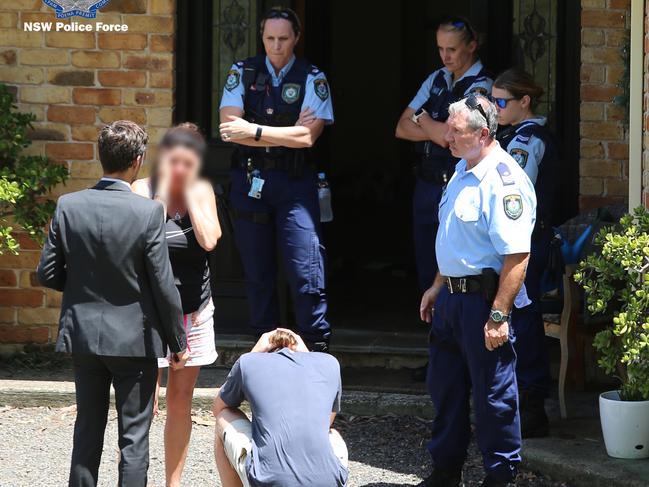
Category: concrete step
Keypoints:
(358, 348)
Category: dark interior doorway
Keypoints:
(375, 59)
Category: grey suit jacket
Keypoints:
(106, 250)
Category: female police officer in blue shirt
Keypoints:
(528, 140)
(274, 108)
(423, 123)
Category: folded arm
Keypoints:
(427, 129)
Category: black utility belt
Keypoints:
(266, 163)
(485, 284)
(433, 172)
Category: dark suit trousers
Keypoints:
(134, 380)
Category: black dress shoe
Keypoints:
(534, 420)
(441, 478)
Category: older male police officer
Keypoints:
(274, 107)
(486, 216)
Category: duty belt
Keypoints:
(294, 165)
(433, 171)
(464, 285)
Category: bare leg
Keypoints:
(178, 428)
(156, 396)
(227, 473)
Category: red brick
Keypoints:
(618, 150)
(591, 149)
(602, 130)
(150, 63)
(587, 203)
(92, 96)
(161, 79)
(161, 43)
(24, 260)
(599, 168)
(76, 151)
(8, 278)
(122, 78)
(602, 18)
(122, 42)
(126, 6)
(619, 4)
(21, 297)
(26, 242)
(85, 133)
(592, 73)
(19, 334)
(599, 93)
(72, 115)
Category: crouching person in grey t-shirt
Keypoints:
(294, 396)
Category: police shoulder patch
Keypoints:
(232, 80)
(291, 92)
(321, 88)
(513, 205)
(505, 174)
(520, 156)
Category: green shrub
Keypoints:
(616, 279)
(24, 180)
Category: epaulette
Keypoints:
(239, 64)
(505, 174)
(314, 70)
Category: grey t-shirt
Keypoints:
(292, 396)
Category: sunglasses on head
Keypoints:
(461, 25)
(502, 102)
(474, 104)
(279, 14)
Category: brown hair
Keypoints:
(281, 339)
(460, 25)
(519, 83)
(119, 144)
(186, 135)
(285, 13)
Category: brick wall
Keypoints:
(603, 166)
(74, 83)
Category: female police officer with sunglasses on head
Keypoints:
(528, 140)
(274, 107)
(423, 123)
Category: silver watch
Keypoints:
(498, 316)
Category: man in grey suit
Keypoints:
(106, 251)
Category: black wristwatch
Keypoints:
(498, 316)
(258, 134)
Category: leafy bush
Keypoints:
(616, 279)
(24, 180)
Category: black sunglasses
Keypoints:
(279, 14)
(472, 102)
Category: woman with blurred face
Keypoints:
(192, 230)
(529, 141)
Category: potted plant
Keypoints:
(616, 281)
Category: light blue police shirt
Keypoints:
(485, 213)
(528, 151)
(481, 85)
(234, 91)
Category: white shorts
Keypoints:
(199, 327)
(237, 443)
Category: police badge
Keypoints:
(290, 92)
(513, 204)
(232, 80)
(520, 156)
(321, 88)
(76, 8)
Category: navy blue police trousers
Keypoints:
(286, 218)
(425, 220)
(533, 363)
(460, 364)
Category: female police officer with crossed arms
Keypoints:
(423, 123)
(274, 107)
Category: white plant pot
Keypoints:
(625, 425)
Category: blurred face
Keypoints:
(463, 141)
(183, 165)
(456, 54)
(279, 41)
(514, 109)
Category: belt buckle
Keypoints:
(463, 284)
